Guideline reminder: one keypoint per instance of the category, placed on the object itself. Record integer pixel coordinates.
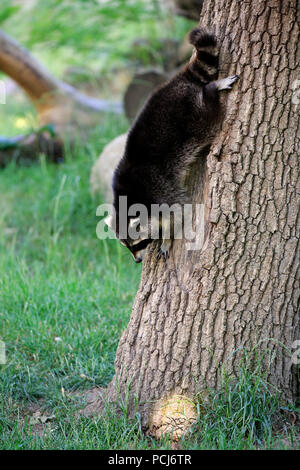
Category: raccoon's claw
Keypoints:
(164, 251)
(226, 83)
(163, 254)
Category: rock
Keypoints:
(185, 51)
(190, 9)
(102, 171)
(140, 88)
(147, 55)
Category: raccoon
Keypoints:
(179, 120)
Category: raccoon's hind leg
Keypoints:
(226, 83)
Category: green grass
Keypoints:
(59, 281)
(65, 296)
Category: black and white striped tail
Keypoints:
(204, 61)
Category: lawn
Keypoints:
(65, 298)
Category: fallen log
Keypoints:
(57, 103)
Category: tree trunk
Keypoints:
(201, 310)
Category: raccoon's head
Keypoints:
(137, 245)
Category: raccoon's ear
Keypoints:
(134, 223)
(109, 220)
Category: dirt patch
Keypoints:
(37, 421)
(95, 401)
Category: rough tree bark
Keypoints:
(242, 290)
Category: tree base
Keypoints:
(172, 416)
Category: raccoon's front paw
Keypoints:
(226, 83)
(164, 251)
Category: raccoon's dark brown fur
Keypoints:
(178, 120)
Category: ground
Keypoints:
(65, 298)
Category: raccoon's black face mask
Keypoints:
(136, 246)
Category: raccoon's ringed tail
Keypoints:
(204, 61)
